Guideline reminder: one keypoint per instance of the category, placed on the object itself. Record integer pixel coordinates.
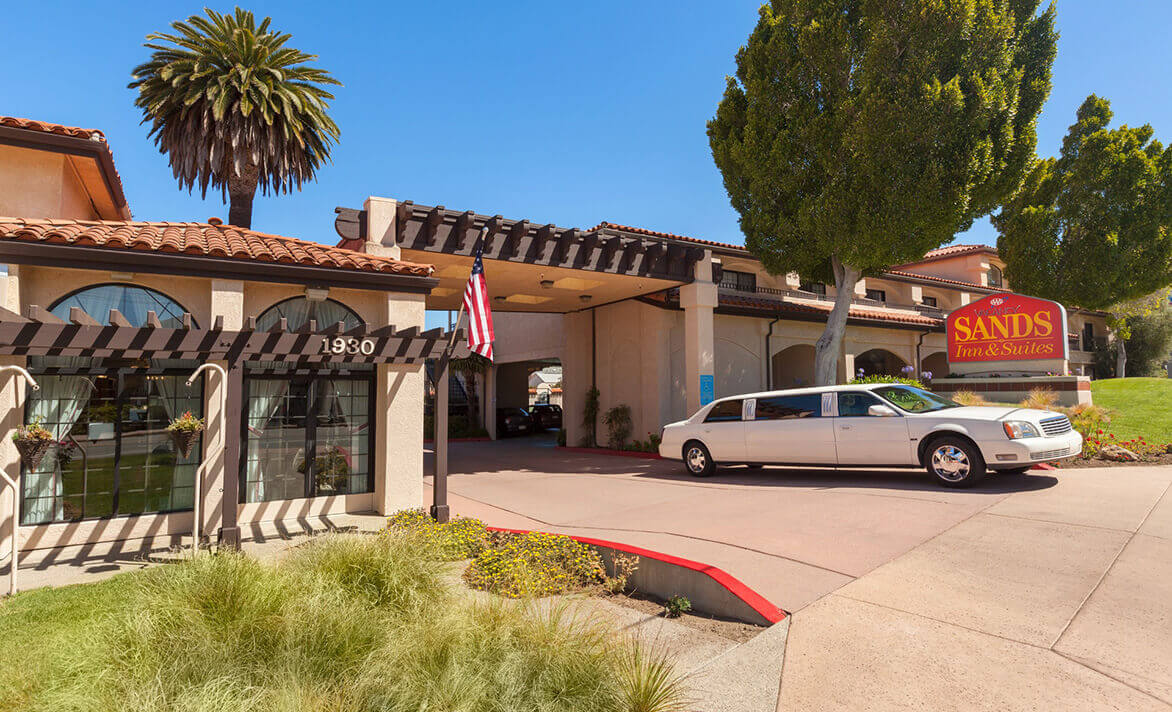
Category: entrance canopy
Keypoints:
(529, 267)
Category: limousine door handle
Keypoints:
(844, 427)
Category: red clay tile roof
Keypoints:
(206, 239)
(46, 127)
(668, 235)
(856, 312)
(954, 250)
(943, 280)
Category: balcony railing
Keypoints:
(781, 295)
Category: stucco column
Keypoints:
(398, 435)
(398, 438)
(698, 300)
(12, 399)
(227, 300)
(380, 227)
(576, 365)
(489, 402)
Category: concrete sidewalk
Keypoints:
(1047, 591)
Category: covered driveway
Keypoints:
(1047, 591)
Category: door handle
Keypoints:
(844, 427)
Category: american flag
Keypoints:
(476, 304)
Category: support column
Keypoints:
(698, 300)
(439, 484)
(490, 401)
(398, 454)
(228, 304)
(230, 491)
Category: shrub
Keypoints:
(889, 379)
(1041, 399)
(618, 425)
(968, 398)
(534, 564)
(676, 606)
(590, 417)
(624, 566)
(460, 538)
(651, 444)
(650, 684)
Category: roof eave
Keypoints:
(99, 151)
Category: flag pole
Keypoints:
(439, 486)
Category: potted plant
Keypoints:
(184, 430)
(32, 442)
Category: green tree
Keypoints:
(1142, 323)
(1093, 227)
(234, 108)
(858, 135)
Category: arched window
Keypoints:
(299, 310)
(995, 279)
(132, 301)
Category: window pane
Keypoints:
(111, 447)
(299, 310)
(342, 437)
(131, 301)
(854, 405)
(789, 407)
(724, 411)
(275, 462)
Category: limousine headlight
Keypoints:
(1017, 429)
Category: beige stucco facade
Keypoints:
(651, 354)
(398, 427)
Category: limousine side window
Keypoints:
(855, 405)
(724, 411)
(789, 407)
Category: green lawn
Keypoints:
(1140, 406)
(35, 624)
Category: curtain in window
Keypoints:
(56, 406)
(178, 398)
(328, 312)
(295, 311)
(264, 397)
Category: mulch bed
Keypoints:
(1078, 462)
(729, 629)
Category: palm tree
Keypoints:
(233, 108)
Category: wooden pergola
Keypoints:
(311, 347)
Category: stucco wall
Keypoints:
(41, 184)
(398, 407)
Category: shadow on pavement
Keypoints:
(539, 455)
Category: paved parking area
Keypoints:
(1045, 591)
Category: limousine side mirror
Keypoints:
(880, 411)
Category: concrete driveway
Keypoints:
(1045, 591)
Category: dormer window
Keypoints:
(994, 276)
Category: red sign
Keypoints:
(1007, 327)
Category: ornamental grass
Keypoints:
(347, 623)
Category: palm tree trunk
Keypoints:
(241, 191)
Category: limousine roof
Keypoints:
(809, 390)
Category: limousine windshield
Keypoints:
(914, 400)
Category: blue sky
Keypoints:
(557, 112)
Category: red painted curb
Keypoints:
(616, 453)
(1043, 466)
(733, 585)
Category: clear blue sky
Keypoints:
(570, 113)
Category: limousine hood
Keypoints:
(991, 413)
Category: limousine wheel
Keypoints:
(697, 459)
(955, 462)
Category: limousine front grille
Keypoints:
(1050, 454)
(1056, 426)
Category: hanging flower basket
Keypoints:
(184, 430)
(32, 442)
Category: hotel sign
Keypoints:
(1007, 327)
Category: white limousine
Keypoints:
(872, 425)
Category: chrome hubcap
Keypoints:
(950, 463)
(696, 459)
